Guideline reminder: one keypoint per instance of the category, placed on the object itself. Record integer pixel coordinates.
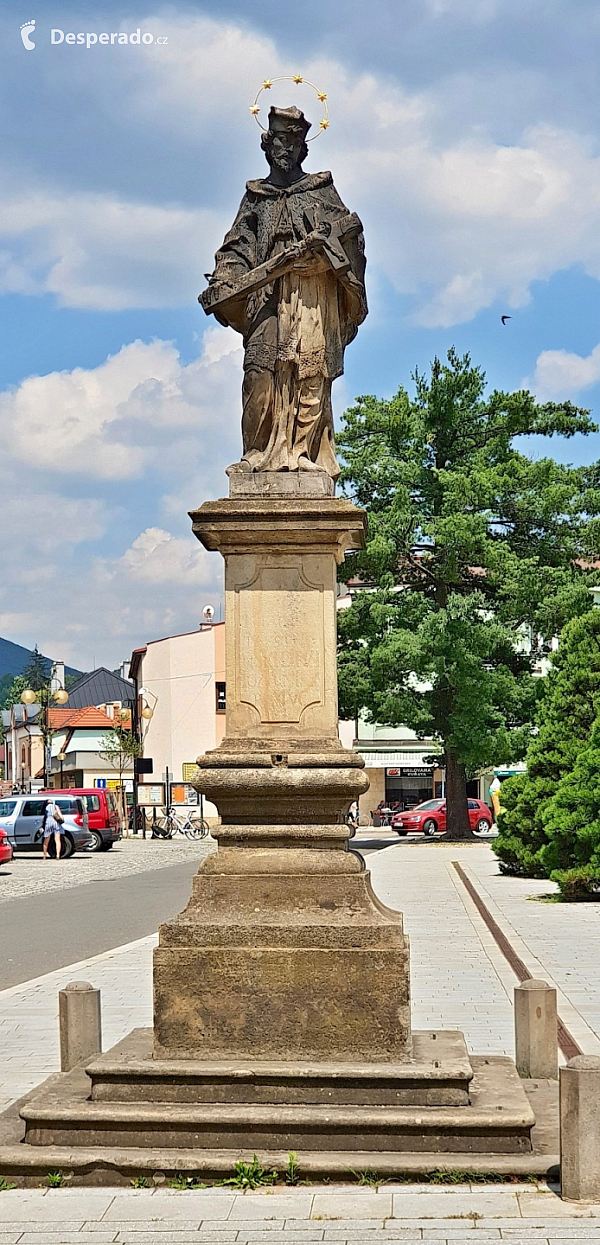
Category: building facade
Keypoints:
(180, 680)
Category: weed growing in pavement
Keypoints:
(369, 1177)
(55, 1180)
(291, 1172)
(249, 1176)
(140, 1182)
(183, 1182)
(5, 1185)
(458, 1176)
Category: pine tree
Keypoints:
(571, 855)
(473, 547)
(528, 824)
(36, 671)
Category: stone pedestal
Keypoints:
(282, 991)
(283, 951)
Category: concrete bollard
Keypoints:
(536, 1031)
(80, 1024)
(580, 1129)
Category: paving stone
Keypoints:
(357, 1204)
(282, 1206)
(549, 1205)
(454, 1203)
(576, 1229)
(170, 1205)
(249, 1226)
(337, 1227)
(60, 1237)
(52, 1205)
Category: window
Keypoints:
(68, 806)
(92, 803)
(34, 808)
(473, 803)
(221, 698)
(7, 807)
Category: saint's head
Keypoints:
(284, 143)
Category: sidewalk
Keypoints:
(346, 1215)
(459, 979)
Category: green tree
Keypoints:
(120, 748)
(36, 672)
(12, 692)
(530, 841)
(572, 820)
(471, 565)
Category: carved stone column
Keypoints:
(283, 951)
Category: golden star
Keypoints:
(324, 124)
(322, 95)
(255, 110)
(297, 78)
(267, 84)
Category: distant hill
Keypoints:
(14, 658)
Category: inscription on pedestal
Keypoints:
(281, 641)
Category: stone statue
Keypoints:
(290, 277)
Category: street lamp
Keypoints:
(43, 697)
(62, 756)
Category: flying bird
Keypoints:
(505, 318)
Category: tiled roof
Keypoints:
(77, 719)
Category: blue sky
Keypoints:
(464, 132)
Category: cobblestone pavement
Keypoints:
(344, 1215)
(28, 874)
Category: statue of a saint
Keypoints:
(290, 277)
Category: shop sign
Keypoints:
(410, 771)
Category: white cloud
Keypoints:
(101, 253)
(157, 557)
(563, 374)
(142, 406)
(457, 216)
(145, 414)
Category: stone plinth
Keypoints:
(283, 951)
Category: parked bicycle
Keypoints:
(176, 822)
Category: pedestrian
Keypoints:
(52, 824)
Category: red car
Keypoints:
(431, 817)
(6, 851)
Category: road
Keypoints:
(53, 914)
(42, 932)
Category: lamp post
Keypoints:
(62, 756)
(43, 697)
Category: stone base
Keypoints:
(279, 483)
(497, 1119)
(439, 1073)
(283, 952)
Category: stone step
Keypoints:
(438, 1073)
(498, 1120)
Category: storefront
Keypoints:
(408, 785)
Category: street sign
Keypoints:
(143, 765)
(100, 782)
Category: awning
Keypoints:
(395, 760)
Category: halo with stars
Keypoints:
(299, 80)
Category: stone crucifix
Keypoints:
(290, 278)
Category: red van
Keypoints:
(104, 814)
